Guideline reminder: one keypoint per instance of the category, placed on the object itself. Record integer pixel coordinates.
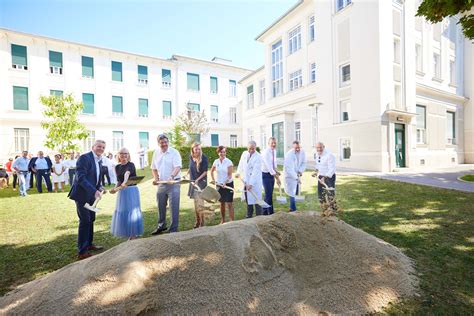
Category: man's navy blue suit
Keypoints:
(86, 184)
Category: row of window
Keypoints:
(436, 64)
(20, 61)
(421, 126)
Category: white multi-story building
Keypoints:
(128, 98)
(382, 89)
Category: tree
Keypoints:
(176, 137)
(63, 129)
(436, 10)
(193, 123)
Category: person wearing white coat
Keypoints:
(294, 166)
(250, 171)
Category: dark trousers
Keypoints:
(72, 173)
(268, 185)
(104, 173)
(15, 180)
(40, 175)
(32, 177)
(85, 234)
(331, 182)
(258, 209)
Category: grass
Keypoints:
(468, 177)
(433, 226)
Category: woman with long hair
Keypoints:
(225, 183)
(198, 165)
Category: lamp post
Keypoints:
(314, 122)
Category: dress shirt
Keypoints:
(71, 163)
(269, 161)
(222, 168)
(166, 162)
(41, 163)
(326, 164)
(97, 166)
(21, 164)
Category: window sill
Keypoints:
(420, 73)
(453, 85)
(116, 82)
(18, 110)
(87, 78)
(437, 79)
(18, 70)
(87, 114)
(344, 85)
(422, 145)
(345, 122)
(193, 91)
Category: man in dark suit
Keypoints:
(41, 167)
(85, 189)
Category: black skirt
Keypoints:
(226, 194)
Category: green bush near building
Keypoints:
(468, 177)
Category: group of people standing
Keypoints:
(256, 171)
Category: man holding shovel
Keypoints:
(250, 172)
(326, 166)
(295, 165)
(166, 165)
(269, 174)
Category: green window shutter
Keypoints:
(213, 84)
(57, 93)
(142, 72)
(194, 106)
(193, 82)
(143, 139)
(19, 55)
(250, 89)
(143, 107)
(117, 104)
(214, 139)
(20, 98)
(87, 66)
(116, 71)
(55, 59)
(167, 112)
(88, 101)
(166, 75)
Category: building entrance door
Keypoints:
(278, 133)
(400, 145)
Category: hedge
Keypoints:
(233, 153)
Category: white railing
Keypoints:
(166, 84)
(56, 70)
(21, 67)
(143, 81)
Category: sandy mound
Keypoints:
(280, 264)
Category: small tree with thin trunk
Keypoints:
(176, 137)
(63, 129)
(193, 123)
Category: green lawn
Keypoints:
(468, 177)
(432, 226)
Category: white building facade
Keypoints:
(129, 99)
(382, 89)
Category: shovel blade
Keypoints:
(299, 198)
(281, 199)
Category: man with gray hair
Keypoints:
(326, 168)
(250, 171)
(166, 165)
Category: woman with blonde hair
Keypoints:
(127, 220)
(198, 165)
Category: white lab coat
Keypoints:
(291, 168)
(250, 170)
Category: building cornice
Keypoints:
(176, 57)
(252, 73)
(441, 93)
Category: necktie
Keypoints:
(100, 170)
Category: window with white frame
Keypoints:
(263, 137)
(345, 149)
(396, 50)
(22, 139)
(298, 131)
(341, 4)
(345, 110)
(451, 127)
(345, 74)
(262, 91)
(233, 115)
(250, 99)
(420, 124)
(250, 134)
(295, 80)
(312, 72)
(89, 141)
(294, 40)
(311, 28)
(419, 57)
(452, 71)
(233, 140)
(232, 88)
(214, 113)
(277, 69)
(436, 66)
(117, 140)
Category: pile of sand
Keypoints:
(280, 264)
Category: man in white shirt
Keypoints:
(326, 166)
(269, 173)
(70, 164)
(166, 165)
(294, 166)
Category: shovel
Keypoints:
(280, 198)
(94, 207)
(260, 202)
(182, 181)
(299, 197)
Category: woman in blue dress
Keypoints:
(127, 220)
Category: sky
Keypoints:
(160, 28)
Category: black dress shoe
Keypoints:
(95, 248)
(159, 230)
